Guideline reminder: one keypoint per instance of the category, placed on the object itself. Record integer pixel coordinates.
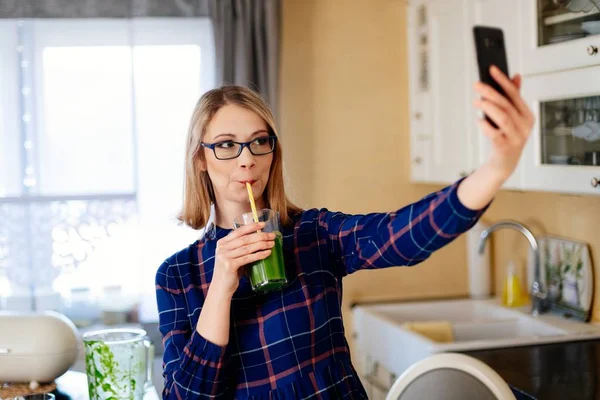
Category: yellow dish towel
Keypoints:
(438, 331)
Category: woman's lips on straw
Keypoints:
(250, 182)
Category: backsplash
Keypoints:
(573, 217)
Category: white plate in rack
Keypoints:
(591, 27)
(566, 37)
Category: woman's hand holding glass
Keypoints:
(241, 247)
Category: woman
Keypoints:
(220, 339)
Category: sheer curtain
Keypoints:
(93, 120)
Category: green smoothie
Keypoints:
(269, 274)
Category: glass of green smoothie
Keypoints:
(268, 274)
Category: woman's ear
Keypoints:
(202, 165)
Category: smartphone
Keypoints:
(490, 50)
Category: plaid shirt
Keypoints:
(290, 344)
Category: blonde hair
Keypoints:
(198, 189)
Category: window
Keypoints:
(93, 119)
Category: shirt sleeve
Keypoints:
(407, 236)
(193, 367)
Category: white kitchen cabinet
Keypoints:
(420, 98)
(500, 14)
(554, 38)
(440, 98)
(445, 141)
(563, 153)
(450, 90)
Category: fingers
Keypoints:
(512, 91)
(517, 81)
(527, 113)
(227, 262)
(250, 258)
(495, 135)
(235, 251)
(251, 248)
(250, 243)
(489, 93)
(249, 239)
(509, 112)
(502, 119)
(499, 102)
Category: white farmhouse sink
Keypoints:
(477, 324)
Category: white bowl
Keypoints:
(558, 159)
(592, 27)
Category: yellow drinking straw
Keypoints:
(251, 195)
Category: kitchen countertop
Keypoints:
(550, 371)
(544, 372)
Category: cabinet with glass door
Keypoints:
(563, 153)
(559, 34)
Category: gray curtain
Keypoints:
(247, 34)
(102, 8)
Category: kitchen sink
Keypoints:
(476, 324)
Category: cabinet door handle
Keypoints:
(595, 182)
(418, 160)
(418, 115)
(592, 50)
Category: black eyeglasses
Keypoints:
(228, 149)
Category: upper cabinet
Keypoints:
(552, 44)
(559, 35)
(419, 85)
(563, 153)
(440, 131)
(450, 156)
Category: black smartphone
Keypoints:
(490, 50)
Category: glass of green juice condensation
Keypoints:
(268, 274)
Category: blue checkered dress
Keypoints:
(290, 344)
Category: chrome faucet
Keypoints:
(538, 293)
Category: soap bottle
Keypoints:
(512, 295)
